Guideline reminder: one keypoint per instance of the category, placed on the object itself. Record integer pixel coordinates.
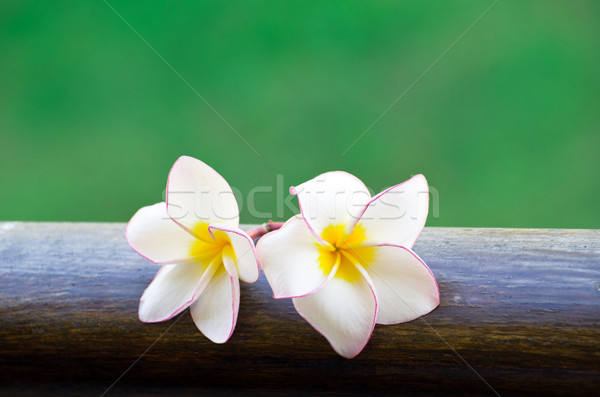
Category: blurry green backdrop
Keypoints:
(505, 125)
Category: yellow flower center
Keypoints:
(206, 249)
(347, 250)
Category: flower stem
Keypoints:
(263, 229)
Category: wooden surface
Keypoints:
(520, 310)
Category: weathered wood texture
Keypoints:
(521, 307)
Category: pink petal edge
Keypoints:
(169, 179)
(167, 193)
(377, 196)
(295, 192)
(233, 277)
(240, 232)
(331, 274)
(413, 253)
(145, 257)
(370, 283)
(185, 305)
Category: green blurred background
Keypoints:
(505, 125)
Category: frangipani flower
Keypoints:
(203, 253)
(347, 261)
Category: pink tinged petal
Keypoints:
(331, 198)
(153, 235)
(406, 288)
(173, 289)
(216, 310)
(289, 258)
(397, 215)
(343, 312)
(244, 252)
(197, 193)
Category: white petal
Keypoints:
(397, 215)
(406, 288)
(246, 259)
(289, 258)
(331, 198)
(215, 311)
(344, 312)
(173, 289)
(197, 193)
(157, 237)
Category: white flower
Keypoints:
(347, 261)
(196, 238)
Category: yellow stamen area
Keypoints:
(348, 248)
(206, 249)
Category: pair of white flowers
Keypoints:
(346, 260)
